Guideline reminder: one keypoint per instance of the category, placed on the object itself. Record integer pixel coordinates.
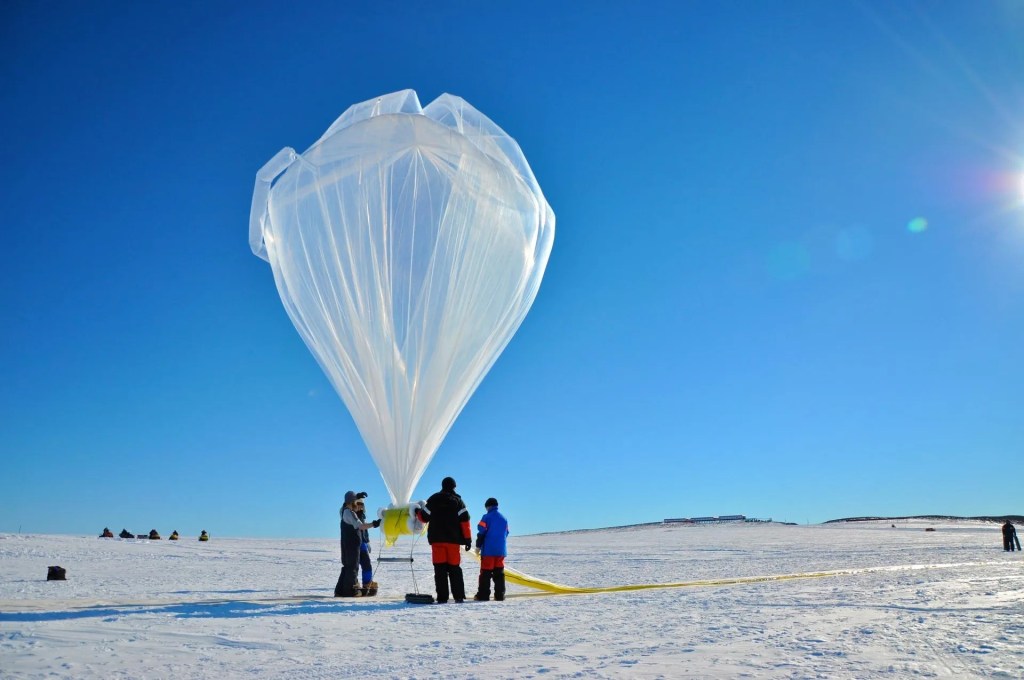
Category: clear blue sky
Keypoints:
(737, 316)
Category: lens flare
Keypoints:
(917, 225)
(789, 261)
(853, 244)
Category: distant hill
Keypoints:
(1017, 519)
(625, 527)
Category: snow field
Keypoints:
(948, 603)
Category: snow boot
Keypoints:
(441, 582)
(499, 583)
(483, 592)
(370, 589)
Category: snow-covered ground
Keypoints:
(943, 603)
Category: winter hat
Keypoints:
(491, 503)
(349, 497)
(447, 484)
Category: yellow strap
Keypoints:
(525, 580)
(519, 578)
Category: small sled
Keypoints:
(419, 598)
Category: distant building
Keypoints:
(721, 519)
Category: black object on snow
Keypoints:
(56, 574)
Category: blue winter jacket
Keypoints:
(491, 533)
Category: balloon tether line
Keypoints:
(412, 547)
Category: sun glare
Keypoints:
(917, 225)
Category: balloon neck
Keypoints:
(399, 520)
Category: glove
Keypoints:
(376, 523)
(469, 545)
(361, 494)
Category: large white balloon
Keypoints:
(407, 245)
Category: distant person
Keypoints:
(491, 533)
(447, 521)
(126, 534)
(365, 565)
(203, 536)
(1010, 537)
(107, 533)
(173, 536)
(153, 535)
(351, 543)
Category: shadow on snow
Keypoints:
(205, 610)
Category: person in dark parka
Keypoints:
(491, 533)
(351, 541)
(447, 521)
(1010, 536)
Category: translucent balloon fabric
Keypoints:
(407, 245)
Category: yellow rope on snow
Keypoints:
(519, 578)
(527, 581)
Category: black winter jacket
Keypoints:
(448, 517)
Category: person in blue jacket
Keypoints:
(491, 533)
(365, 564)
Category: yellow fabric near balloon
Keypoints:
(395, 523)
(527, 581)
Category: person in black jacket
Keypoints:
(447, 522)
(1010, 536)
(351, 541)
